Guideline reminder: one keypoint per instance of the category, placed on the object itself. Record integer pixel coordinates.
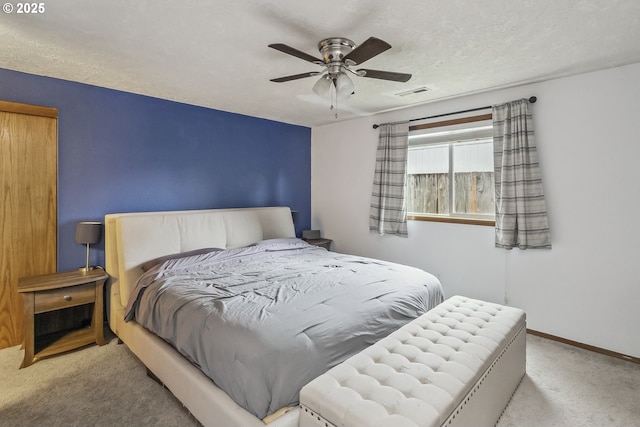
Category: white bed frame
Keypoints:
(133, 238)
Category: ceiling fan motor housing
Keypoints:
(333, 50)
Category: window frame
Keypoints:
(451, 218)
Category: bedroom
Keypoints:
(585, 289)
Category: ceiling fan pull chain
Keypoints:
(333, 95)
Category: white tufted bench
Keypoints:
(456, 365)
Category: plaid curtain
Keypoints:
(521, 213)
(388, 208)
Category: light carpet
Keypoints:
(108, 386)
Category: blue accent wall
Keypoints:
(121, 152)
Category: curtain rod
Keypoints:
(531, 100)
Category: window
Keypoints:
(450, 171)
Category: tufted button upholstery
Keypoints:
(417, 375)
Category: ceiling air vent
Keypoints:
(413, 91)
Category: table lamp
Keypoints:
(88, 233)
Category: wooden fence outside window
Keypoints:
(429, 193)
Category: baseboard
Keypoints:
(585, 346)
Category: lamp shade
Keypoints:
(323, 86)
(344, 86)
(88, 233)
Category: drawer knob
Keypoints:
(67, 297)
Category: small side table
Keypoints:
(57, 291)
(324, 243)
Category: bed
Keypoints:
(236, 242)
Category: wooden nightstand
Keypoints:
(58, 291)
(324, 243)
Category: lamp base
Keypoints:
(86, 269)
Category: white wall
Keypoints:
(587, 288)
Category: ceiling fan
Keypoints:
(338, 55)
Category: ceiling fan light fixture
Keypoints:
(323, 86)
(344, 86)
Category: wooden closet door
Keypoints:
(28, 206)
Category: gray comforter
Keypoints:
(263, 321)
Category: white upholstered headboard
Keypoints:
(134, 238)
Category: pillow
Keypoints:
(281, 244)
(157, 261)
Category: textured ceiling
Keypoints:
(215, 54)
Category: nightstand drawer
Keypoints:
(323, 243)
(56, 299)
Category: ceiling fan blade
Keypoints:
(296, 77)
(295, 52)
(367, 50)
(386, 75)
